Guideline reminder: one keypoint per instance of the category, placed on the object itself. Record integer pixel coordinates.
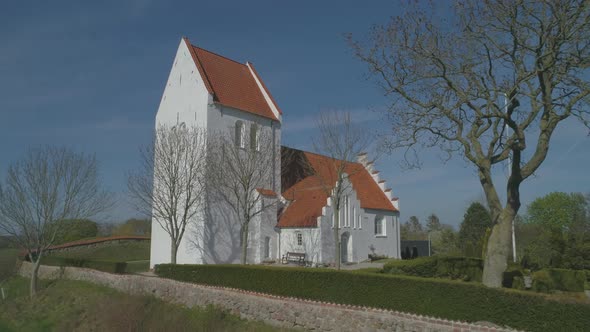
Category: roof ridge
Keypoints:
(200, 68)
(219, 55)
(321, 155)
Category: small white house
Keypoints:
(210, 91)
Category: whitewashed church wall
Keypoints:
(185, 96)
(185, 99)
(388, 244)
(311, 242)
(222, 119)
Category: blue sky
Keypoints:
(90, 75)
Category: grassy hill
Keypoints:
(119, 252)
(136, 254)
(66, 305)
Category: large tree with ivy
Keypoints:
(491, 82)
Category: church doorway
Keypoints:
(345, 248)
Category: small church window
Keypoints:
(254, 137)
(379, 225)
(299, 237)
(267, 247)
(240, 134)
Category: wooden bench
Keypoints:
(296, 257)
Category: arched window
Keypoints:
(346, 212)
(379, 225)
(240, 134)
(254, 137)
(267, 247)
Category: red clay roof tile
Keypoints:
(266, 192)
(232, 83)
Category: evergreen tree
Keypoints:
(433, 223)
(473, 229)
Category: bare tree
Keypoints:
(170, 184)
(240, 176)
(340, 139)
(47, 186)
(486, 82)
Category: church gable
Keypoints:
(234, 84)
(306, 175)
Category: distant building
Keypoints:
(416, 248)
(208, 90)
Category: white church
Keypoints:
(210, 91)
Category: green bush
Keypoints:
(465, 268)
(518, 283)
(509, 275)
(419, 267)
(438, 298)
(542, 282)
(568, 280)
(138, 266)
(547, 280)
(105, 266)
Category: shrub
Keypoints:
(376, 257)
(105, 266)
(568, 280)
(509, 275)
(542, 282)
(547, 280)
(465, 268)
(419, 267)
(438, 298)
(518, 283)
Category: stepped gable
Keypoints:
(309, 195)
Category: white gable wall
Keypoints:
(185, 99)
(318, 242)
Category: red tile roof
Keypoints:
(232, 83)
(266, 192)
(309, 195)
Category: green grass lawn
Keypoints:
(131, 251)
(136, 254)
(66, 305)
(7, 262)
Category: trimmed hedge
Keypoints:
(105, 266)
(439, 298)
(465, 268)
(547, 280)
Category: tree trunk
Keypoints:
(337, 237)
(498, 249)
(244, 243)
(34, 276)
(173, 251)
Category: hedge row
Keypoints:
(433, 297)
(465, 268)
(547, 280)
(105, 266)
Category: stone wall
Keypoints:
(274, 310)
